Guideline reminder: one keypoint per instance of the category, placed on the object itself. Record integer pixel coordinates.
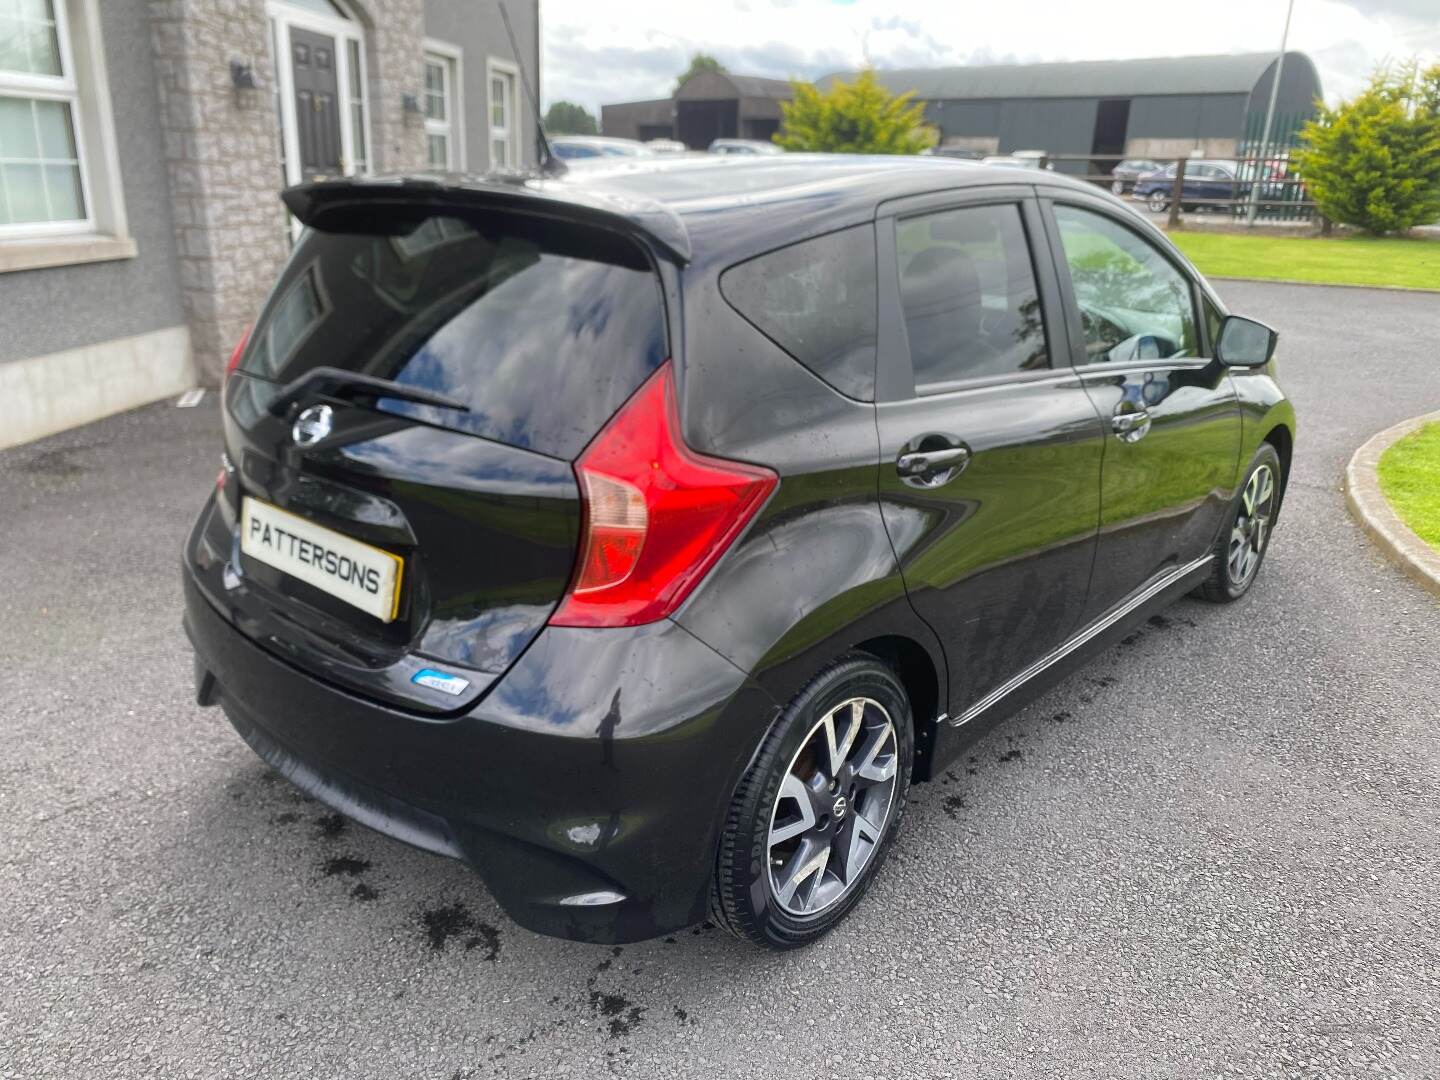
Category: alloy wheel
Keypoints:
(1252, 526)
(833, 806)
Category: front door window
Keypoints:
(1134, 304)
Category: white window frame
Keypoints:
(83, 85)
(345, 31)
(452, 59)
(496, 66)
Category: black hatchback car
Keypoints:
(639, 537)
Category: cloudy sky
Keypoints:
(599, 51)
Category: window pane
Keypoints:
(17, 129)
(498, 103)
(57, 139)
(44, 48)
(357, 134)
(1134, 303)
(435, 104)
(816, 300)
(968, 289)
(35, 9)
(13, 56)
(355, 70)
(499, 154)
(439, 151)
(62, 183)
(25, 191)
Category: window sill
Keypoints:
(50, 251)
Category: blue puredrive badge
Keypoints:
(438, 680)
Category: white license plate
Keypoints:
(357, 573)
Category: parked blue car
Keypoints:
(1206, 183)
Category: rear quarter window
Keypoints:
(541, 328)
(816, 300)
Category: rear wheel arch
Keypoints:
(916, 669)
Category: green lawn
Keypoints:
(1410, 478)
(1347, 260)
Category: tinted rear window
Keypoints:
(816, 300)
(543, 329)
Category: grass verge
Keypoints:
(1343, 260)
(1410, 479)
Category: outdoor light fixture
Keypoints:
(410, 106)
(242, 78)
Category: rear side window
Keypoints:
(541, 328)
(816, 300)
(967, 285)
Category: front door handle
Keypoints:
(1131, 426)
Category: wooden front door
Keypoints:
(317, 103)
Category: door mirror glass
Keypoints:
(1245, 342)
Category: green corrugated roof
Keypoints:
(1235, 73)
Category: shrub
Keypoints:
(567, 118)
(860, 117)
(1374, 162)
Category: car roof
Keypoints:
(703, 207)
(727, 204)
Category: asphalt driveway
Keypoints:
(1216, 852)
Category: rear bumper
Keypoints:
(587, 787)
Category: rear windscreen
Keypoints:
(541, 328)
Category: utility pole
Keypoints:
(1269, 117)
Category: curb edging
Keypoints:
(1321, 284)
(1369, 507)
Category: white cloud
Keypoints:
(628, 49)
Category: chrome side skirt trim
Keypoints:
(1087, 633)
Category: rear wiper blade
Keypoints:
(341, 383)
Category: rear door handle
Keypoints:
(1131, 426)
(920, 462)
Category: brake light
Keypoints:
(234, 360)
(658, 515)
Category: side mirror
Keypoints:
(1245, 342)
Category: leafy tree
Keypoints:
(860, 117)
(698, 63)
(567, 118)
(1375, 161)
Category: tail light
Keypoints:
(658, 515)
(234, 361)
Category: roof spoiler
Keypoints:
(329, 204)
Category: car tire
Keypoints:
(817, 811)
(1157, 202)
(1241, 546)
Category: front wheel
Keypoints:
(813, 819)
(1157, 201)
(1243, 542)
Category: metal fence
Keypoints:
(1261, 183)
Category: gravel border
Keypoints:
(1368, 505)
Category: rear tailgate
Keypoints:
(535, 329)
